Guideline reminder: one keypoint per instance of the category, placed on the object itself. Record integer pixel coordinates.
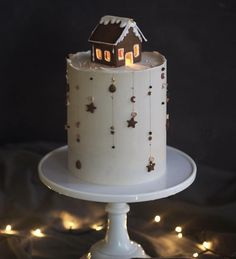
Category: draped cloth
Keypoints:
(206, 211)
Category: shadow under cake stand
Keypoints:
(180, 173)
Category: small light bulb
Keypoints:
(97, 227)
(157, 218)
(69, 225)
(180, 235)
(37, 233)
(206, 244)
(195, 255)
(178, 229)
(8, 228)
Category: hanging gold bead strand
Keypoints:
(78, 164)
(91, 107)
(132, 122)
(67, 100)
(112, 90)
(164, 86)
(67, 84)
(151, 164)
(77, 125)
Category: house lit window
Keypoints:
(99, 54)
(107, 55)
(129, 58)
(121, 54)
(136, 50)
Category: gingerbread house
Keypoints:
(116, 41)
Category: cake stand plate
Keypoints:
(180, 173)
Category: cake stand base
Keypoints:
(116, 244)
(180, 173)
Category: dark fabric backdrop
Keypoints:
(197, 37)
(199, 41)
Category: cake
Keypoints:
(116, 107)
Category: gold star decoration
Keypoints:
(150, 166)
(91, 107)
(131, 122)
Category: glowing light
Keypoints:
(157, 218)
(206, 244)
(69, 221)
(107, 55)
(178, 229)
(37, 233)
(8, 230)
(136, 50)
(97, 227)
(180, 235)
(121, 54)
(128, 58)
(99, 54)
(195, 255)
(69, 225)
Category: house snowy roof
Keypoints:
(113, 29)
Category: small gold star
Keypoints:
(91, 107)
(150, 166)
(131, 122)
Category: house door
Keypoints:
(129, 58)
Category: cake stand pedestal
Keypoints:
(180, 173)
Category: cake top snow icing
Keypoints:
(82, 61)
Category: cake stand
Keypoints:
(180, 173)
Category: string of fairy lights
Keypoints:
(206, 246)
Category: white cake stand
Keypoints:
(180, 173)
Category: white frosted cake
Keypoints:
(116, 113)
